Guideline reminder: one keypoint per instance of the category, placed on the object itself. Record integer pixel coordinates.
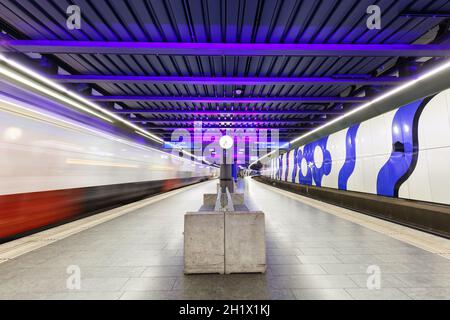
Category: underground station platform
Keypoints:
(224, 159)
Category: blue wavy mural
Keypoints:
(295, 165)
(325, 168)
(314, 173)
(286, 174)
(280, 167)
(350, 157)
(404, 149)
(389, 178)
(303, 179)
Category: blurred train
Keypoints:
(404, 154)
(54, 170)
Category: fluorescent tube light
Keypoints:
(390, 93)
(58, 87)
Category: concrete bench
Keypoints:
(224, 241)
(204, 250)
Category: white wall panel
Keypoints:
(336, 146)
(356, 180)
(434, 126)
(418, 184)
(373, 148)
(439, 164)
(429, 180)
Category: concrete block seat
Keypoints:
(204, 250)
(224, 241)
(245, 245)
(209, 199)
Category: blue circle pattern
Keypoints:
(313, 172)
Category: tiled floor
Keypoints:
(311, 255)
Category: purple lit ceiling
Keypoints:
(165, 82)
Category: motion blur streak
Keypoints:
(100, 163)
(30, 211)
(55, 170)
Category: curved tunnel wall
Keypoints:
(53, 171)
(404, 153)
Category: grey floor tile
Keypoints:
(429, 267)
(359, 250)
(149, 284)
(147, 261)
(80, 261)
(378, 294)
(294, 269)
(24, 296)
(43, 273)
(318, 251)
(361, 268)
(283, 252)
(386, 280)
(32, 285)
(102, 284)
(311, 282)
(163, 271)
(148, 295)
(281, 294)
(318, 259)
(85, 272)
(421, 280)
(85, 295)
(428, 293)
(33, 258)
(310, 255)
(359, 258)
(271, 260)
(321, 294)
(311, 244)
(412, 258)
(209, 294)
(114, 272)
(50, 285)
(299, 245)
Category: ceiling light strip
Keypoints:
(56, 86)
(54, 120)
(15, 76)
(382, 97)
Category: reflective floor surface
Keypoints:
(311, 254)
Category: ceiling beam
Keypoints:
(226, 49)
(252, 81)
(230, 112)
(425, 14)
(227, 99)
(190, 128)
(281, 135)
